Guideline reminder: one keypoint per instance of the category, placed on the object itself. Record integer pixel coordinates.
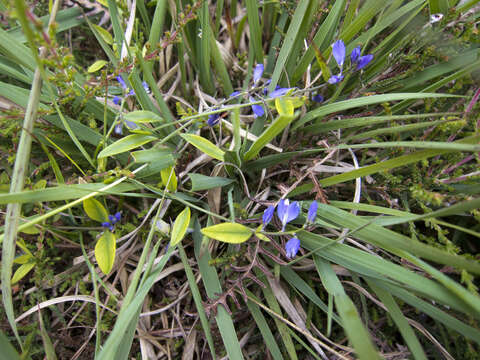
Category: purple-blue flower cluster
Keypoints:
(338, 52)
(258, 110)
(113, 220)
(129, 92)
(286, 212)
(117, 100)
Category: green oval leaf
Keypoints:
(202, 182)
(284, 106)
(106, 36)
(125, 144)
(95, 210)
(22, 271)
(232, 233)
(105, 251)
(180, 226)
(169, 179)
(143, 116)
(97, 65)
(204, 146)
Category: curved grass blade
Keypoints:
(351, 321)
(213, 287)
(358, 102)
(402, 324)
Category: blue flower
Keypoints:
(146, 87)
(113, 220)
(360, 61)
(355, 54)
(312, 212)
(317, 98)
(268, 215)
(213, 119)
(116, 100)
(335, 79)
(234, 94)
(131, 92)
(257, 73)
(338, 51)
(122, 82)
(287, 212)
(363, 61)
(257, 109)
(292, 246)
(279, 92)
(118, 128)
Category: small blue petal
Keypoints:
(363, 61)
(118, 129)
(257, 109)
(287, 212)
(257, 73)
(116, 100)
(234, 94)
(317, 98)
(268, 215)
(118, 216)
(131, 125)
(312, 212)
(213, 119)
(292, 246)
(112, 219)
(122, 82)
(338, 51)
(131, 93)
(106, 224)
(278, 92)
(335, 79)
(293, 211)
(355, 54)
(146, 87)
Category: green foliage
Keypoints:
(390, 153)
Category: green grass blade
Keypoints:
(296, 281)
(392, 241)
(375, 267)
(8, 351)
(13, 209)
(438, 6)
(471, 300)
(290, 38)
(204, 55)
(352, 323)
(255, 29)
(390, 164)
(213, 287)
(358, 102)
(434, 312)
(323, 38)
(262, 325)
(117, 27)
(402, 323)
(273, 130)
(437, 145)
(197, 298)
